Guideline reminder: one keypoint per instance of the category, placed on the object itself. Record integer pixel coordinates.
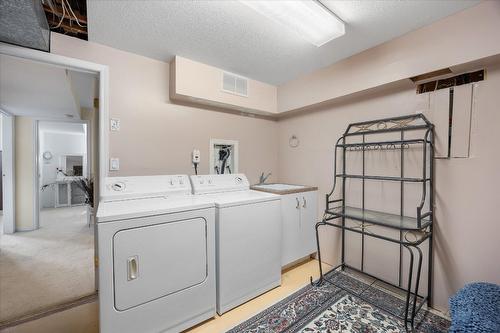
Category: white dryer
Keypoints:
(248, 237)
(156, 246)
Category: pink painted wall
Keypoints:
(156, 136)
(463, 37)
(466, 189)
(203, 83)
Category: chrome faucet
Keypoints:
(263, 178)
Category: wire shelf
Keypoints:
(394, 221)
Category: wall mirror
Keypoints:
(72, 165)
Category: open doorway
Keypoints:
(63, 170)
(47, 254)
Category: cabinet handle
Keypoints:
(132, 268)
(298, 203)
(305, 202)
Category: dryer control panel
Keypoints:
(122, 188)
(205, 184)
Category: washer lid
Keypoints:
(143, 207)
(238, 198)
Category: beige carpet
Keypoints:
(48, 266)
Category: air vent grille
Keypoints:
(234, 84)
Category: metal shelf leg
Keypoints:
(417, 282)
(408, 292)
(410, 317)
(320, 280)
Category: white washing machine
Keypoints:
(156, 245)
(248, 237)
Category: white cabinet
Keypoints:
(299, 216)
(68, 194)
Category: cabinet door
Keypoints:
(62, 195)
(439, 115)
(291, 241)
(308, 219)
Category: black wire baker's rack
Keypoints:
(406, 133)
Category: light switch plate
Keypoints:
(114, 164)
(115, 124)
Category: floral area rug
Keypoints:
(356, 307)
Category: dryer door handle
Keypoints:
(132, 268)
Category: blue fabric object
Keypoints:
(476, 308)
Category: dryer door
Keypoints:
(156, 261)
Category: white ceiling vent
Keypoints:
(234, 84)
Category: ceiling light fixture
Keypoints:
(308, 18)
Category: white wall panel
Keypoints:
(460, 130)
(439, 115)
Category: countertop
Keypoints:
(67, 179)
(303, 188)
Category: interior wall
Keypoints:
(156, 136)
(24, 164)
(92, 116)
(203, 83)
(466, 188)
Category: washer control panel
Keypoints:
(121, 188)
(204, 184)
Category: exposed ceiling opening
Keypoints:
(451, 81)
(68, 17)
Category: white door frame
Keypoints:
(36, 165)
(8, 173)
(83, 66)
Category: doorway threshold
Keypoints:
(48, 311)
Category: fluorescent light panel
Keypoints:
(308, 18)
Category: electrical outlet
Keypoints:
(114, 164)
(115, 124)
(196, 156)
